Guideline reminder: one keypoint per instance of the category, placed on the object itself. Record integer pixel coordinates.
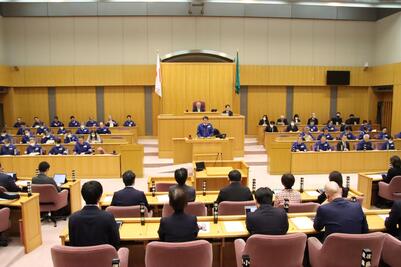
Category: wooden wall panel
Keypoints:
(396, 117)
(156, 110)
(9, 108)
(353, 100)
(221, 76)
(312, 99)
(197, 77)
(265, 100)
(31, 102)
(120, 101)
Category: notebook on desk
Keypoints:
(218, 171)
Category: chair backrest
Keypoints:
(99, 256)
(126, 211)
(346, 249)
(47, 192)
(2, 189)
(4, 219)
(395, 186)
(194, 253)
(193, 208)
(163, 187)
(202, 104)
(234, 207)
(276, 250)
(392, 250)
(302, 207)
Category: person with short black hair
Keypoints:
(91, 122)
(205, 129)
(264, 121)
(348, 132)
(19, 123)
(393, 221)
(235, 191)
(73, 122)
(129, 196)
(82, 130)
(47, 138)
(181, 176)
(70, 137)
(129, 122)
(42, 177)
(299, 146)
(394, 170)
(388, 144)
(21, 129)
(103, 129)
(56, 122)
(58, 149)
(179, 227)
(337, 177)
(33, 148)
(271, 128)
(293, 128)
(227, 110)
(384, 134)
(266, 219)
(337, 120)
(36, 122)
(8, 148)
(8, 182)
(92, 226)
(82, 147)
(287, 180)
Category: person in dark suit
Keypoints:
(8, 182)
(296, 119)
(343, 145)
(393, 221)
(19, 123)
(129, 196)
(92, 226)
(271, 128)
(227, 110)
(234, 191)
(181, 176)
(395, 169)
(334, 176)
(179, 227)
(292, 127)
(282, 120)
(264, 120)
(340, 215)
(266, 219)
(198, 107)
(337, 120)
(314, 119)
(42, 177)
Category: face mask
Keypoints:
(27, 134)
(32, 144)
(7, 145)
(82, 127)
(57, 144)
(3, 135)
(69, 135)
(93, 135)
(292, 124)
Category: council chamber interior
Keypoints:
(200, 133)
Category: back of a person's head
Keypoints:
(91, 192)
(395, 161)
(331, 189)
(181, 176)
(264, 195)
(336, 176)
(234, 176)
(287, 180)
(129, 178)
(177, 199)
(43, 166)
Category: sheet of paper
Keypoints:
(162, 198)
(313, 193)
(204, 227)
(383, 216)
(22, 183)
(108, 199)
(376, 176)
(234, 227)
(303, 223)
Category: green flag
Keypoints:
(237, 81)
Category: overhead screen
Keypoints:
(335, 77)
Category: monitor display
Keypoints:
(335, 77)
(249, 209)
(60, 179)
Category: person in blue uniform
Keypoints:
(388, 144)
(365, 124)
(18, 123)
(21, 129)
(36, 122)
(365, 144)
(102, 129)
(282, 120)
(337, 120)
(205, 129)
(41, 129)
(73, 122)
(306, 135)
(325, 134)
(330, 127)
(25, 138)
(58, 149)
(313, 127)
(348, 133)
(70, 138)
(82, 147)
(299, 146)
(33, 148)
(82, 130)
(293, 128)
(362, 133)
(91, 122)
(8, 148)
(48, 138)
(322, 145)
(313, 118)
(110, 122)
(4, 136)
(271, 127)
(61, 130)
(129, 122)
(384, 134)
(56, 122)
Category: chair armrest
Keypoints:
(239, 245)
(314, 247)
(5, 219)
(123, 254)
(63, 196)
(384, 190)
(150, 214)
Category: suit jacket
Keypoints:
(43, 179)
(267, 220)
(341, 146)
(341, 216)
(92, 226)
(194, 109)
(129, 196)
(8, 183)
(234, 192)
(261, 122)
(391, 173)
(189, 190)
(271, 129)
(393, 222)
(179, 227)
(229, 113)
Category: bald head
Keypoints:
(332, 191)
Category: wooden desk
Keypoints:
(216, 182)
(108, 147)
(365, 185)
(188, 150)
(166, 179)
(171, 126)
(25, 220)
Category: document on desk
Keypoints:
(22, 183)
(376, 176)
(234, 227)
(303, 223)
(383, 216)
(313, 193)
(108, 199)
(162, 198)
(204, 227)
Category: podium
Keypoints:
(187, 150)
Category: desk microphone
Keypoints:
(204, 188)
(286, 204)
(153, 189)
(37, 172)
(73, 176)
(142, 212)
(29, 188)
(246, 261)
(301, 186)
(217, 158)
(366, 258)
(115, 263)
(215, 213)
(253, 185)
(348, 182)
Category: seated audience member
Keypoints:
(36, 122)
(94, 138)
(336, 177)
(129, 196)
(296, 119)
(313, 118)
(365, 144)
(393, 221)
(56, 122)
(306, 135)
(325, 134)
(33, 148)
(287, 180)
(42, 129)
(18, 123)
(129, 122)
(91, 122)
(205, 129)
(58, 149)
(343, 126)
(198, 107)
(4, 136)
(102, 129)
(266, 219)
(21, 129)
(8, 182)
(48, 138)
(322, 145)
(383, 134)
(365, 124)
(82, 130)
(337, 120)
(395, 169)
(8, 148)
(25, 138)
(340, 215)
(42, 177)
(181, 176)
(348, 133)
(61, 130)
(343, 144)
(70, 138)
(235, 191)
(264, 120)
(313, 127)
(179, 227)
(292, 127)
(299, 146)
(351, 120)
(73, 122)
(330, 127)
(388, 144)
(227, 110)
(92, 226)
(110, 122)
(271, 128)
(282, 120)
(81, 147)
